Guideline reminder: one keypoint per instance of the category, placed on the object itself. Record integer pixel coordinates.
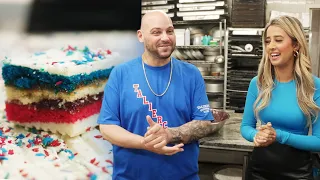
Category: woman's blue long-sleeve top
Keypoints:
(285, 116)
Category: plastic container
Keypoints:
(187, 37)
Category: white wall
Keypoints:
(290, 7)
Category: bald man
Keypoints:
(155, 109)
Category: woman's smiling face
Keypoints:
(279, 47)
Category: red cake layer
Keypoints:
(59, 104)
(25, 114)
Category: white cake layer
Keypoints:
(3, 96)
(57, 62)
(70, 129)
(33, 96)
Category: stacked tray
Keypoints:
(166, 6)
(248, 13)
(192, 10)
(244, 55)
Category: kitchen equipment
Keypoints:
(211, 49)
(214, 42)
(205, 4)
(187, 37)
(219, 59)
(195, 1)
(163, 7)
(215, 104)
(189, 54)
(216, 71)
(243, 60)
(221, 118)
(147, 11)
(210, 58)
(204, 73)
(180, 55)
(214, 86)
(206, 40)
(201, 13)
(248, 14)
(227, 172)
(197, 40)
(196, 30)
(237, 49)
(216, 33)
(211, 53)
(197, 54)
(179, 36)
(204, 69)
(201, 17)
(195, 8)
(146, 3)
(248, 47)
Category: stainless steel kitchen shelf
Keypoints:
(213, 77)
(246, 31)
(232, 90)
(241, 65)
(245, 56)
(215, 93)
(197, 47)
(198, 22)
(222, 22)
(199, 62)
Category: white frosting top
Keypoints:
(68, 61)
(24, 155)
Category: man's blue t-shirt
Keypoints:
(128, 100)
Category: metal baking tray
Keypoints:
(170, 6)
(204, 4)
(154, 2)
(195, 1)
(146, 11)
(197, 8)
(201, 13)
(206, 17)
(260, 24)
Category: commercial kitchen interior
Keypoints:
(227, 66)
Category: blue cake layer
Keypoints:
(26, 78)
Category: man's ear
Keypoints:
(140, 36)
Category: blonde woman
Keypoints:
(284, 96)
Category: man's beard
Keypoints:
(155, 52)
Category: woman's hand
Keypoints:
(265, 136)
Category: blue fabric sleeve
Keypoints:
(248, 125)
(303, 142)
(200, 106)
(109, 113)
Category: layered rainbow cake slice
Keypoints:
(57, 90)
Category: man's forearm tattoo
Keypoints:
(191, 131)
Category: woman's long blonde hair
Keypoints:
(302, 70)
